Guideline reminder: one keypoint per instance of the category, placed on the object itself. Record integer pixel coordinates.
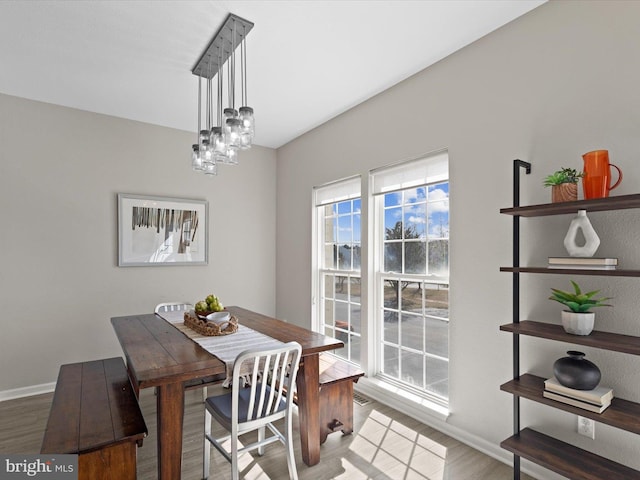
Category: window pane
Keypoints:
(356, 253)
(411, 297)
(412, 331)
(330, 255)
(439, 257)
(330, 230)
(344, 230)
(390, 365)
(355, 318)
(412, 368)
(344, 207)
(437, 337)
(328, 313)
(391, 199)
(415, 221)
(393, 223)
(328, 286)
(341, 287)
(437, 300)
(439, 220)
(415, 257)
(414, 195)
(356, 228)
(344, 257)
(391, 294)
(354, 290)
(439, 191)
(390, 332)
(342, 314)
(393, 257)
(355, 349)
(437, 376)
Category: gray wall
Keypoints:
(60, 171)
(548, 87)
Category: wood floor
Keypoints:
(385, 445)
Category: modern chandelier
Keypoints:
(226, 130)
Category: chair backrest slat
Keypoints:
(172, 307)
(270, 374)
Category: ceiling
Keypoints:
(308, 61)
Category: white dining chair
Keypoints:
(270, 374)
(173, 307)
(183, 307)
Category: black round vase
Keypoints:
(576, 372)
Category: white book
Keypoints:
(582, 261)
(576, 403)
(597, 396)
(583, 267)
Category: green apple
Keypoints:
(201, 307)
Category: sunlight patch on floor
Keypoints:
(397, 450)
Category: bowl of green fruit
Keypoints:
(209, 305)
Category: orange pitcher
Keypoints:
(596, 182)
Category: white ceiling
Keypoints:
(308, 61)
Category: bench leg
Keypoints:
(336, 408)
(114, 461)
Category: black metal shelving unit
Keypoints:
(549, 452)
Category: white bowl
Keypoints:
(219, 317)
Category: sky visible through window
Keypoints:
(426, 209)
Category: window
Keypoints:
(338, 256)
(412, 274)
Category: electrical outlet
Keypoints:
(587, 427)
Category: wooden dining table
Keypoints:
(159, 355)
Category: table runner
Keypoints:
(225, 347)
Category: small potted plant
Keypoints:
(564, 184)
(578, 320)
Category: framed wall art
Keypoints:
(161, 231)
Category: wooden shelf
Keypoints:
(621, 414)
(573, 271)
(621, 202)
(565, 459)
(608, 341)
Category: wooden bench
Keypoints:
(336, 395)
(95, 414)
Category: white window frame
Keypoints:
(327, 194)
(426, 170)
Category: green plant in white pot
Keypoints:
(578, 320)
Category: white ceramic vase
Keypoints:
(578, 323)
(592, 241)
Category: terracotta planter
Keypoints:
(565, 192)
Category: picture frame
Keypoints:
(162, 231)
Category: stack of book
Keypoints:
(596, 400)
(589, 263)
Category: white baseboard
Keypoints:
(27, 391)
(435, 419)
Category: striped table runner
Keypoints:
(225, 347)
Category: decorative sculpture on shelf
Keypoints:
(592, 241)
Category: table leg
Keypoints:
(308, 383)
(170, 403)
